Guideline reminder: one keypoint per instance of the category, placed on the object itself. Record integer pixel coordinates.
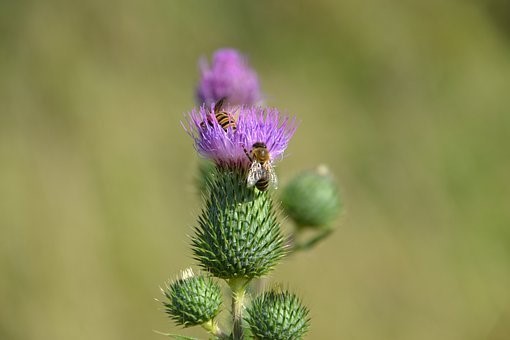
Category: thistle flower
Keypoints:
(253, 124)
(238, 235)
(278, 315)
(192, 300)
(228, 76)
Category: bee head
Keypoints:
(207, 122)
(260, 151)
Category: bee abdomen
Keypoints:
(262, 184)
(225, 120)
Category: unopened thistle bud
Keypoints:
(229, 76)
(311, 199)
(278, 315)
(192, 300)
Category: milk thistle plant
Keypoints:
(238, 236)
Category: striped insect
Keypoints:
(261, 173)
(225, 119)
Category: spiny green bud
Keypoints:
(311, 199)
(277, 315)
(192, 300)
(238, 235)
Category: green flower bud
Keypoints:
(192, 300)
(278, 315)
(311, 199)
(238, 235)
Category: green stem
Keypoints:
(212, 327)
(238, 287)
(310, 243)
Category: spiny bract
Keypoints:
(192, 300)
(278, 315)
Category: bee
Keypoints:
(224, 119)
(261, 173)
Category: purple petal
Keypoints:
(254, 124)
(228, 76)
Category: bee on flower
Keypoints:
(261, 173)
(259, 140)
(220, 114)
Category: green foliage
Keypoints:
(238, 235)
(278, 315)
(192, 300)
(176, 336)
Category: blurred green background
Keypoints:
(407, 102)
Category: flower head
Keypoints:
(278, 314)
(229, 146)
(192, 300)
(228, 76)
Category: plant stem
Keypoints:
(213, 328)
(238, 287)
(237, 314)
(313, 241)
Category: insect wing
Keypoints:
(255, 174)
(273, 180)
(219, 105)
(271, 175)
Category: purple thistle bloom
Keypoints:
(253, 124)
(229, 76)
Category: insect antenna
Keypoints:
(247, 154)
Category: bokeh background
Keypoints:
(407, 102)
